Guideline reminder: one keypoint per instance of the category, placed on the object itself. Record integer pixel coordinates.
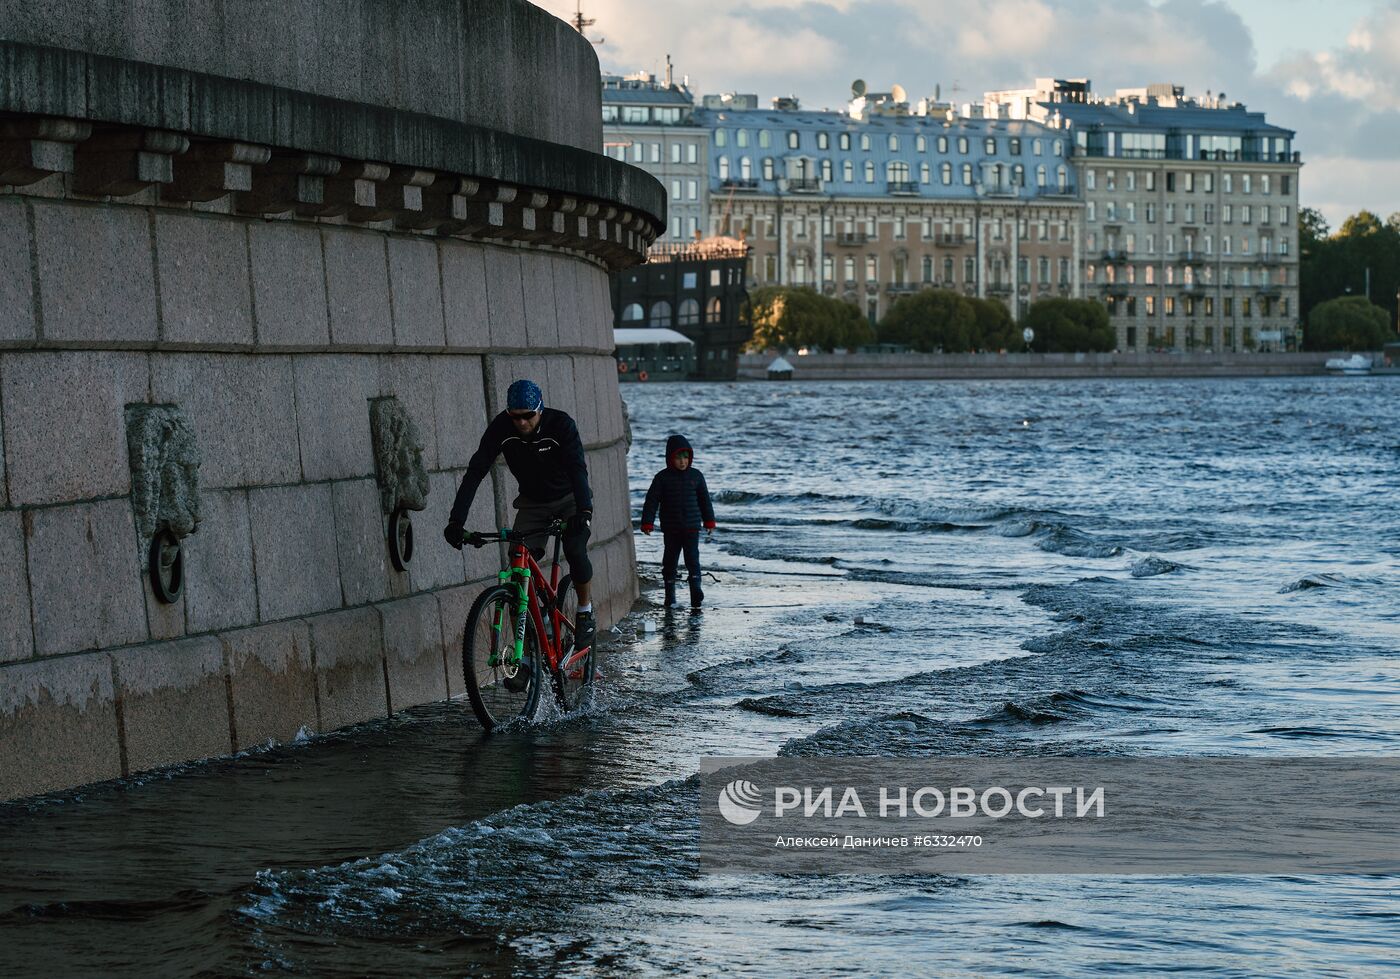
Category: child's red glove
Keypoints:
(709, 525)
(646, 528)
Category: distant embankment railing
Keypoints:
(914, 366)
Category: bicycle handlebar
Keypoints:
(479, 539)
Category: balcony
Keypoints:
(1269, 258)
(951, 241)
(903, 288)
(804, 185)
(901, 187)
(1192, 288)
(737, 184)
(1114, 256)
(999, 289)
(1191, 258)
(998, 190)
(1114, 288)
(1269, 289)
(852, 238)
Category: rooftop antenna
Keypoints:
(581, 23)
(955, 89)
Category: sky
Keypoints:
(1328, 70)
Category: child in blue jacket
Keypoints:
(679, 491)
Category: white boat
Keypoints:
(1354, 365)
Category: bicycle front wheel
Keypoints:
(499, 687)
(574, 678)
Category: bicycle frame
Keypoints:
(527, 577)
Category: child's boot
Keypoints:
(697, 597)
(670, 594)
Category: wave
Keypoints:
(1326, 579)
(1151, 566)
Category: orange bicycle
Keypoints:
(519, 632)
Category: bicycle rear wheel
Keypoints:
(499, 689)
(574, 678)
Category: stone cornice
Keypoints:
(120, 127)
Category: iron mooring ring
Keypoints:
(400, 539)
(166, 564)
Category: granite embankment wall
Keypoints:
(211, 287)
(870, 367)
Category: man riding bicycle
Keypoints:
(545, 455)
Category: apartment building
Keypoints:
(650, 123)
(889, 197)
(1190, 214)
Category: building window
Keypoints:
(1110, 181)
(741, 138)
(1036, 147)
(869, 171)
(770, 268)
(1149, 275)
(1285, 183)
(1188, 181)
(1090, 180)
(1043, 269)
(1018, 175)
(692, 189)
(767, 168)
(1149, 305)
(632, 313)
(1168, 306)
(826, 170)
(843, 140)
(897, 172)
(969, 270)
(689, 313)
(692, 153)
(1040, 174)
(865, 141)
(989, 145)
(1064, 271)
(1131, 179)
(945, 173)
(1227, 183)
(823, 141)
(850, 268)
(765, 139)
(947, 271)
(848, 171)
(1061, 178)
(1151, 243)
(920, 144)
(675, 152)
(872, 268)
(1245, 183)
(928, 268)
(745, 168)
(967, 174)
(724, 168)
(899, 226)
(1226, 213)
(1132, 212)
(894, 143)
(943, 144)
(828, 268)
(870, 227)
(962, 145)
(1059, 147)
(925, 173)
(794, 139)
(714, 310)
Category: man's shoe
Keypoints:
(585, 630)
(697, 597)
(670, 594)
(520, 681)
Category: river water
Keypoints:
(1090, 567)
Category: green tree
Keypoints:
(930, 320)
(994, 328)
(1312, 227)
(1364, 252)
(1069, 326)
(1348, 323)
(784, 318)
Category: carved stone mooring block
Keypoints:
(403, 479)
(165, 459)
(398, 456)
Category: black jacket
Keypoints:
(547, 463)
(681, 495)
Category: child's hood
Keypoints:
(678, 443)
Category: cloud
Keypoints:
(1344, 101)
